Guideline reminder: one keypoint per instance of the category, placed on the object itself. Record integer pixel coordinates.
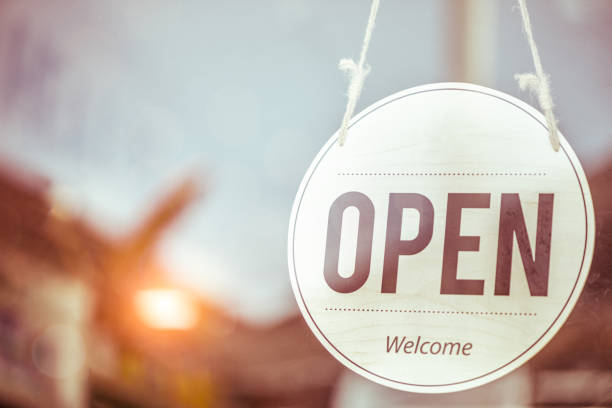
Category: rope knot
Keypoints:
(538, 83)
(540, 87)
(356, 74)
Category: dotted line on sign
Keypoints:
(445, 174)
(480, 313)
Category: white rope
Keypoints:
(357, 73)
(538, 83)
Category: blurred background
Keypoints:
(150, 153)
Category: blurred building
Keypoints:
(88, 321)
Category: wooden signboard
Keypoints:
(445, 243)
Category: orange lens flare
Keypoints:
(166, 309)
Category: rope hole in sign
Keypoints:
(538, 82)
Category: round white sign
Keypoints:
(445, 243)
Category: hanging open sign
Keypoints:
(445, 243)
